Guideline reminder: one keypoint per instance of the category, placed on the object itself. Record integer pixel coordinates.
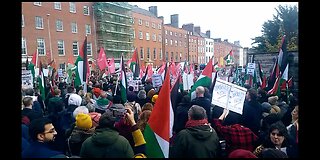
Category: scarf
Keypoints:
(193, 123)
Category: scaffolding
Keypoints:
(114, 28)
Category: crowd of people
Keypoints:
(72, 122)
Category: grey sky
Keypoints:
(226, 20)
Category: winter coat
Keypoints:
(205, 103)
(252, 115)
(55, 105)
(77, 137)
(40, 150)
(196, 142)
(106, 143)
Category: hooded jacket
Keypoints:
(106, 143)
(196, 142)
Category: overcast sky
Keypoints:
(226, 20)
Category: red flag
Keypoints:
(290, 82)
(150, 72)
(70, 59)
(111, 65)
(274, 89)
(102, 60)
(35, 59)
(161, 70)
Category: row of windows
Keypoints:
(154, 36)
(175, 34)
(148, 53)
(72, 7)
(175, 43)
(59, 25)
(153, 25)
(60, 45)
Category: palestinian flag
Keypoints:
(123, 82)
(204, 79)
(274, 89)
(41, 82)
(33, 64)
(134, 65)
(82, 70)
(263, 78)
(158, 130)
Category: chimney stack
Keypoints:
(175, 20)
(208, 33)
(197, 29)
(154, 10)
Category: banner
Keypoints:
(229, 96)
(156, 80)
(187, 80)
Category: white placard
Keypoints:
(228, 95)
(250, 68)
(45, 72)
(156, 80)
(26, 79)
(187, 80)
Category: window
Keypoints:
(141, 52)
(23, 46)
(37, 3)
(166, 55)
(175, 34)
(154, 37)
(153, 25)
(154, 53)
(134, 34)
(88, 29)
(147, 36)
(175, 43)
(166, 41)
(160, 53)
(74, 28)
(72, 7)
(147, 24)
(57, 5)
(166, 32)
(89, 49)
(39, 22)
(22, 21)
(41, 46)
(75, 49)
(180, 43)
(176, 56)
(170, 41)
(140, 22)
(132, 20)
(180, 35)
(59, 25)
(206, 49)
(61, 47)
(140, 35)
(159, 26)
(86, 10)
(148, 53)
(160, 38)
(170, 33)
(62, 66)
(171, 58)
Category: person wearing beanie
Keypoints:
(80, 133)
(74, 99)
(241, 153)
(154, 98)
(266, 108)
(141, 97)
(150, 94)
(273, 102)
(96, 92)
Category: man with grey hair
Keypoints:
(198, 139)
(202, 101)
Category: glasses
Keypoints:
(278, 134)
(50, 131)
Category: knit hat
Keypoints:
(74, 99)
(154, 98)
(241, 153)
(96, 92)
(275, 109)
(151, 93)
(83, 121)
(266, 107)
(142, 94)
(273, 100)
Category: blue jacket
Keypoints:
(40, 150)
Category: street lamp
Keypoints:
(49, 37)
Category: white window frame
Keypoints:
(166, 31)
(88, 10)
(41, 45)
(60, 45)
(147, 36)
(175, 34)
(154, 53)
(88, 28)
(160, 38)
(140, 35)
(175, 43)
(147, 23)
(89, 49)
(148, 53)
(166, 41)
(74, 27)
(154, 37)
(170, 33)
(22, 21)
(39, 22)
(57, 5)
(24, 46)
(37, 3)
(159, 26)
(140, 22)
(73, 49)
(59, 24)
(141, 53)
(153, 25)
(171, 42)
(72, 7)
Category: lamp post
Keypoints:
(49, 37)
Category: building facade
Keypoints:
(57, 30)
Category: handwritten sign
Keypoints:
(27, 79)
(187, 80)
(229, 96)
